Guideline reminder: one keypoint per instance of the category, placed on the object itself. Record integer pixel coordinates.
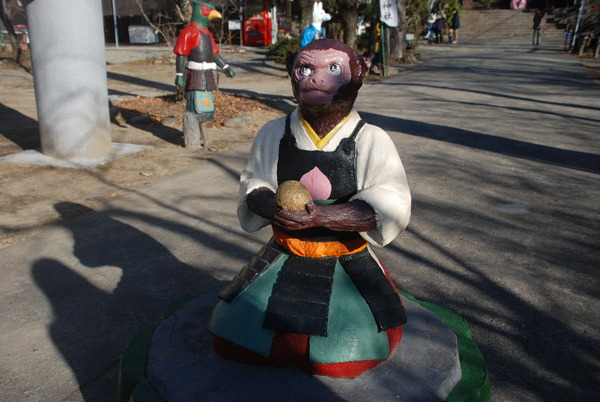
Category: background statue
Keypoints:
(518, 4)
(316, 296)
(315, 30)
(197, 57)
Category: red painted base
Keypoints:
(292, 349)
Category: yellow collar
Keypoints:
(321, 142)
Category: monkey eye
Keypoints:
(305, 71)
(334, 69)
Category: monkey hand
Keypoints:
(308, 217)
(354, 216)
(262, 202)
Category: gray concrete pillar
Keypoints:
(69, 72)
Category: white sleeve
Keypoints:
(260, 171)
(382, 183)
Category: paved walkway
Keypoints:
(501, 149)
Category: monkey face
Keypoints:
(318, 75)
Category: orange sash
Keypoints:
(311, 249)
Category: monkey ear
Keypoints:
(289, 60)
(365, 65)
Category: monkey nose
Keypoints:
(319, 78)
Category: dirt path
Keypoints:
(31, 196)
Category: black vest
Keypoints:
(201, 80)
(338, 166)
(204, 51)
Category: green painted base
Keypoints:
(133, 385)
(473, 386)
(475, 382)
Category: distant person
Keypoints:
(539, 20)
(429, 34)
(455, 25)
(438, 29)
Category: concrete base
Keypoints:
(183, 366)
(36, 157)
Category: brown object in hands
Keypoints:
(292, 195)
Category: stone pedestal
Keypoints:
(174, 360)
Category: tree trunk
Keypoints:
(372, 33)
(395, 44)
(181, 8)
(306, 16)
(349, 13)
(399, 49)
(16, 47)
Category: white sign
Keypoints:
(234, 25)
(389, 12)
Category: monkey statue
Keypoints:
(197, 57)
(315, 296)
(314, 30)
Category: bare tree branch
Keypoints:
(6, 20)
(167, 39)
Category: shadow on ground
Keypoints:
(92, 320)
(484, 142)
(19, 129)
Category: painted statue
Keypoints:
(518, 4)
(315, 29)
(197, 57)
(332, 188)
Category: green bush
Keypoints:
(489, 3)
(417, 12)
(278, 51)
(445, 8)
(363, 42)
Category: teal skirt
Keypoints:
(352, 333)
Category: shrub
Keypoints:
(279, 50)
(489, 3)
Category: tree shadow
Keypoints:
(283, 103)
(258, 65)
(526, 282)
(503, 316)
(143, 122)
(547, 80)
(520, 149)
(141, 82)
